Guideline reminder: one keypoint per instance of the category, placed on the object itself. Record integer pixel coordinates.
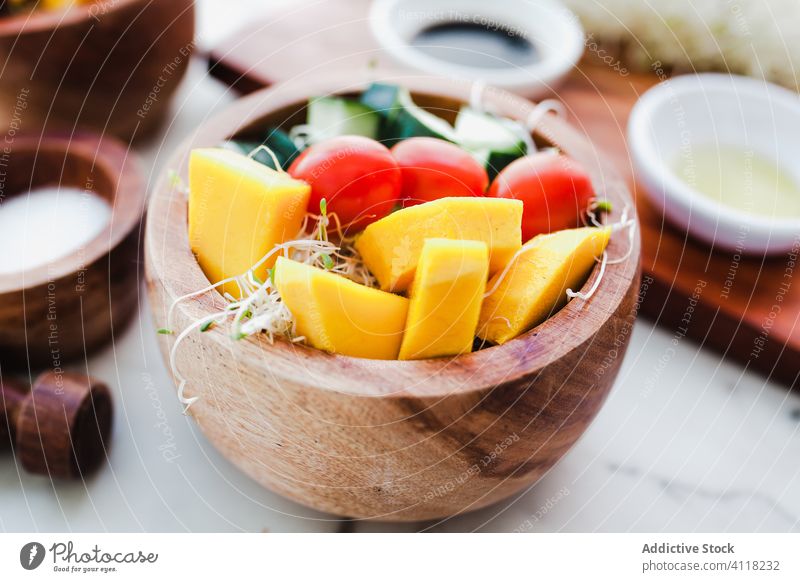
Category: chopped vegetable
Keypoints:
(534, 285)
(276, 141)
(391, 247)
(338, 315)
(334, 116)
(357, 176)
(434, 169)
(445, 299)
(556, 191)
(401, 117)
(238, 211)
(430, 228)
(494, 141)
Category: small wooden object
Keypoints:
(740, 306)
(110, 66)
(55, 313)
(59, 427)
(391, 440)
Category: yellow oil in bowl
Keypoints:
(741, 179)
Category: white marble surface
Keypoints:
(686, 442)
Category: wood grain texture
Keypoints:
(94, 67)
(743, 310)
(56, 313)
(386, 439)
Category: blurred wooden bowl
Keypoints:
(110, 66)
(62, 311)
(392, 440)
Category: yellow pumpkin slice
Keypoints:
(391, 246)
(535, 285)
(238, 211)
(445, 299)
(340, 316)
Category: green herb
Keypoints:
(327, 262)
(604, 206)
(323, 207)
(206, 326)
(174, 179)
(165, 331)
(271, 272)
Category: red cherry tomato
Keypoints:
(433, 168)
(357, 177)
(554, 189)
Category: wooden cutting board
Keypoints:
(745, 308)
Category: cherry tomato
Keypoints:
(554, 189)
(433, 168)
(357, 177)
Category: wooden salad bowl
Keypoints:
(110, 66)
(60, 312)
(390, 440)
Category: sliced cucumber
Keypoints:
(381, 97)
(402, 118)
(277, 140)
(496, 142)
(410, 120)
(333, 116)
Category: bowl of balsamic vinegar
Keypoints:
(526, 46)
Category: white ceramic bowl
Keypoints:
(693, 110)
(547, 24)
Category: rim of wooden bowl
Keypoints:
(39, 20)
(167, 244)
(107, 156)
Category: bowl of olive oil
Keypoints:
(717, 154)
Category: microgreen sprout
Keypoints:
(175, 179)
(604, 206)
(258, 308)
(270, 153)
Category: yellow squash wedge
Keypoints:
(536, 283)
(446, 299)
(340, 316)
(238, 211)
(391, 247)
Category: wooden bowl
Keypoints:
(110, 66)
(59, 312)
(391, 440)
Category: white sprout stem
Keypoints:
(543, 108)
(630, 225)
(195, 294)
(187, 402)
(588, 295)
(476, 93)
(301, 135)
(624, 223)
(508, 266)
(270, 153)
(260, 308)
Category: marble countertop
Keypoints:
(686, 441)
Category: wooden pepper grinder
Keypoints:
(60, 426)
